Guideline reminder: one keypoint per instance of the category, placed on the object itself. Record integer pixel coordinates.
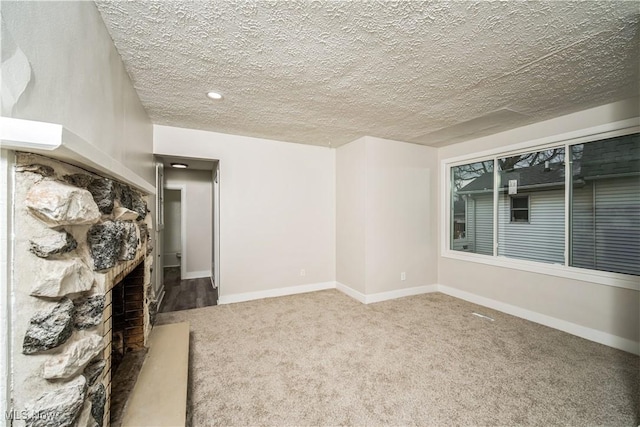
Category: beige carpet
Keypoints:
(325, 359)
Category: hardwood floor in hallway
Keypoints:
(186, 294)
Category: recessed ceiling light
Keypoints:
(179, 165)
(214, 95)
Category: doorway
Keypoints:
(187, 233)
(172, 243)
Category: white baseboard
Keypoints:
(358, 296)
(279, 292)
(552, 322)
(385, 296)
(196, 274)
(400, 293)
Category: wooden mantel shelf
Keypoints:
(54, 140)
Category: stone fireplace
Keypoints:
(82, 268)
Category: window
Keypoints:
(472, 208)
(605, 205)
(576, 205)
(534, 179)
(519, 208)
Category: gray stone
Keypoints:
(144, 231)
(123, 214)
(56, 203)
(153, 311)
(79, 179)
(131, 199)
(129, 242)
(104, 193)
(57, 242)
(98, 400)
(43, 170)
(61, 277)
(144, 237)
(58, 408)
(74, 358)
(93, 371)
(152, 302)
(88, 311)
(105, 242)
(50, 328)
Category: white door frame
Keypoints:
(216, 227)
(158, 262)
(183, 226)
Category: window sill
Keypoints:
(592, 276)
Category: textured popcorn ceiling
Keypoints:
(328, 72)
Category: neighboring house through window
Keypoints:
(599, 227)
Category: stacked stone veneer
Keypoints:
(77, 235)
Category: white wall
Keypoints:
(401, 215)
(78, 79)
(198, 189)
(277, 208)
(611, 310)
(351, 199)
(172, 236)
(386, 213)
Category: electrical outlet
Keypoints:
(403, 276)
(303, 272)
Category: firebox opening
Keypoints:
(127, 339)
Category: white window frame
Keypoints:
(566, 140)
